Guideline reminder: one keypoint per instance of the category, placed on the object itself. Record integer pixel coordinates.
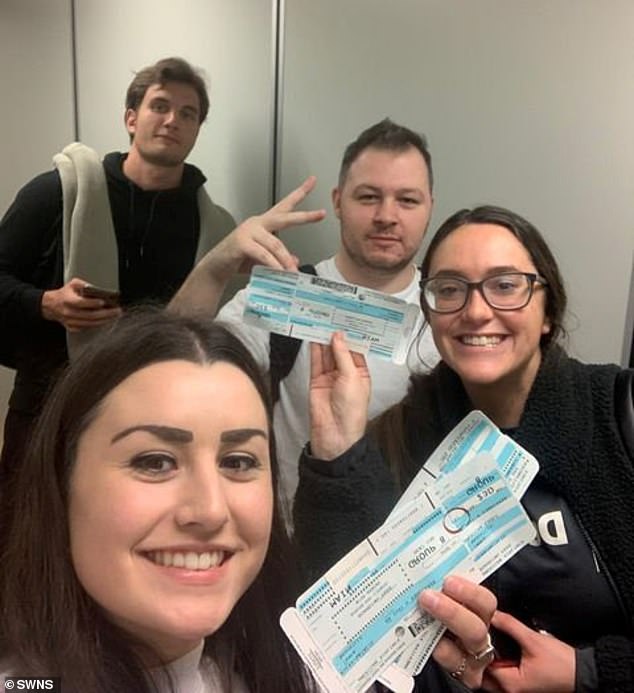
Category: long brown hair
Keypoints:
(390, 427)
(535, 245)
(49, 625)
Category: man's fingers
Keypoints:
(249, 244)
(286, 204)
(76, 284)
(87, 314)
(276, 258)
(91, 304)
(254, 240)
(275, 220)
(282, 215)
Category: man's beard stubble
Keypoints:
(383, 266)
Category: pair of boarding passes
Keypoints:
(312, 308)
(461, 515)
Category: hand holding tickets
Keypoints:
(360, 622)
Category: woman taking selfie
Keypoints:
(141, 547)
(495, 301)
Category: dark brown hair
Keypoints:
(391, 427)
(49, 625)
(168, 70)
(536, 246)
(389, 136)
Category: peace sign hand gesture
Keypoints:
(253, 242)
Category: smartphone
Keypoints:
(109, 296)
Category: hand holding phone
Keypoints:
(110, 297)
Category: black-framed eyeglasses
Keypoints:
(504, 291)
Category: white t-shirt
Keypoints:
(188, 674)
(193, 674)
(291, 416)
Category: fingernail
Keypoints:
(429, 599)
(451, 583)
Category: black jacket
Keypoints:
(568, 424)
(157, 237)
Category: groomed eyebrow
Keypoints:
(400, 191)
(169, 434)
(502, 269)
(241, 435)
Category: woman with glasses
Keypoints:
(495, 301)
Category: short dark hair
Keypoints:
(163, 71)
(389, 136)
(50, 625)
(537, 248)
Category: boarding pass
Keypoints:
(361, 616)
(312, 308)
(474, 435)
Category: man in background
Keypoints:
(133, 225)
(383, 201)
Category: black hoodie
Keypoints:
(157, 232)
(157, 237)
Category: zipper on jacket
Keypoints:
(604, 569)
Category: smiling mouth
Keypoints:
(189, 560)
(480, 340)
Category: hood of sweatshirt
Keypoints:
(192, 178)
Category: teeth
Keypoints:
(480, 340)
(204, 561)
(189, 560)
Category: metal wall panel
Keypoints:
(528, 105)
(230, 41)
(36, 118)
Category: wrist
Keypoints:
(324, 452)
(218, 267)
(47, 302)
(327, 451)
